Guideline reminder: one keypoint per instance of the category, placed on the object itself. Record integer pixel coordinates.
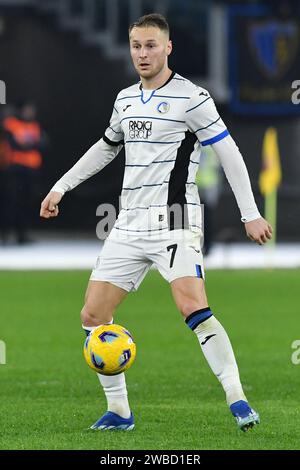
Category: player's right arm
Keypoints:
(93, 161)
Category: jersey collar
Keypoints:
(169, 79)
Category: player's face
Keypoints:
(149, 48)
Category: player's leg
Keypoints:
(119, 269)
(101, 301)
(181, 263)
(190, 298)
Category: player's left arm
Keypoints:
(257, 228)
(203, 119)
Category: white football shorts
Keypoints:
(126, 260)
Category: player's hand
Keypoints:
(259, 230)
(49, 206)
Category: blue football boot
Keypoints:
(245, 416)
(112, 421)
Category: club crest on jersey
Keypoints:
(163, 107)
(140, 129)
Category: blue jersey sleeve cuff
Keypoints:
(215, 139)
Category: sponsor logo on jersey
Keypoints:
(140, 129)
(126, 107)
(163, 107)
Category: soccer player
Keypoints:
(163, 121)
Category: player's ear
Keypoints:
(169, 47)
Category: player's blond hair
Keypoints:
(153, 19)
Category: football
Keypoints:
(109, 349)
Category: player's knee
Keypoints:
(93, 317)
(88, 317)
(188, 306)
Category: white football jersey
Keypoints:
(162, 131)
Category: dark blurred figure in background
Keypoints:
(24, 141)
(6, 119)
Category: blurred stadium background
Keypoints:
(70, 58)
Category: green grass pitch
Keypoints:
(49, 397)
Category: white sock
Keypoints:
(114, 387)
(218, 352)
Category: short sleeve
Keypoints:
(203, 119)
(113, 134)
